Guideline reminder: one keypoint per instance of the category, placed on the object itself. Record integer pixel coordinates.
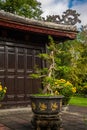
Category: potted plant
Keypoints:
(2, 92)
(48, 102)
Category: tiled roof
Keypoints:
(19, 19)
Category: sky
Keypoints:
(57, 7)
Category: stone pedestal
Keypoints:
(43, 122)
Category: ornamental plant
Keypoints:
(2, 92)
(64, 87)
(51, 84)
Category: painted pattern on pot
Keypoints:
(42, 106)
(54, 106)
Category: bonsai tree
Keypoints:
(47, 74)
(51, 84)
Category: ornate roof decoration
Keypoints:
(9, 20)
(70, 17)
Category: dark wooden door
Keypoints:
(16, 63)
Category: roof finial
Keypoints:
(70, 17)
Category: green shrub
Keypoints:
(84, 90)
(2, 92)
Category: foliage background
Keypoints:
(27, 8)
(72, 60)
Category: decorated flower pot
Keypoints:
(46, 105)
(46, 111)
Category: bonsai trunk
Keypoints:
(47, 88)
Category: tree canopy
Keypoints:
(72, 59)
(27, 8)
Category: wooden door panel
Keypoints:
(21, 62)
(29, 63)
(16, 64)
(11, 57)
(20, 85)
(10, 81)
(20, 88)
(2, 64)
(20, 69)
(10, 73)
(28, 88)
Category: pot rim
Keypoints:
(46, 97)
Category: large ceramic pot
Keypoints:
(46, 105)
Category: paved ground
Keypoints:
(75, 118)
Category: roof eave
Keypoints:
(17, 22)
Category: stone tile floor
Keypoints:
(75, 118)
